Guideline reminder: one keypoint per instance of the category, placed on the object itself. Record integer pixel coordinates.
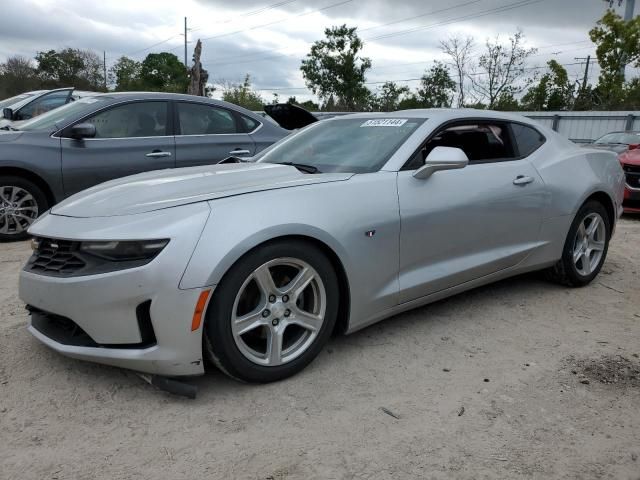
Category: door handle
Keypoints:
(158, 153)
(522, 180)
(239, 151)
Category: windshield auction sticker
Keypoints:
(385, 122)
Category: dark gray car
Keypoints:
(107, 136)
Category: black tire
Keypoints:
(218, 340)
(565, 271)
(36, 192)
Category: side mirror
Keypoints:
(83, 130)
(7, 113)
(442, 158)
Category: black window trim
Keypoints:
(64, 132)
(509, 132)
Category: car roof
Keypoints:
(443, 114)
(120, 96)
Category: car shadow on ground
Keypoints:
(411, 323)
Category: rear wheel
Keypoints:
(585, 248)
(21, 202)
(272, 312)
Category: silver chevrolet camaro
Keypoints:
(341, 224)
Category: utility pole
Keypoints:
(104, 68)
(587, 61)
(185, 44)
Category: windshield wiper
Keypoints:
(302, 167)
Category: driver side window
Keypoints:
(482, 142)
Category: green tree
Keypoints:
(243, 95)
(71, 67)
(163, 72)
(617, 44)
(436, 87)
(388, 97)
(501, 68)
(17, 75)
(125, 73)
(334, 68)
(554, 91)
(506, 102)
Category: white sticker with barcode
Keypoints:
(385, 122)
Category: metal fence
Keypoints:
(580, 127)
(585, 127)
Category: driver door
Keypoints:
(460, 225)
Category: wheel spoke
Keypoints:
(274, 346)
(19, 227)
(306, 320)
(593, 227)
(296, 286)
(577, 253)
(14, 194)
(597, 245)
(264, 280)
(26, 199)
(248, 322)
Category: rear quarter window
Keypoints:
(527, 139)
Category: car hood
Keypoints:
(160, 189)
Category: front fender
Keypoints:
(338, 214)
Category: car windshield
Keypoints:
(357, 145)
(53, 119)
(619, 137)
(12, 101)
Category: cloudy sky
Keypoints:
(268, 38)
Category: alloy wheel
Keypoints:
(278, 311)
(18, 209)
(589, 244)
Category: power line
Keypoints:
(503, 8)
(277, 21)
(484, 13)
(406, 19)
(250, 13)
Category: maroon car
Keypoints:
(630, 160)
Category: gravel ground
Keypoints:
(520, 379)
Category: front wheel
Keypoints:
(272, 312)
(585, 248)
(21, 202)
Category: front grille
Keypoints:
(55, 257)
(632, 174)
(60, 329)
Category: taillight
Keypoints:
(633, 146)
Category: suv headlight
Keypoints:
(124, 250)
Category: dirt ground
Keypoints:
(520, 379)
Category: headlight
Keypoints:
(124, 250)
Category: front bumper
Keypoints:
(107, 306)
